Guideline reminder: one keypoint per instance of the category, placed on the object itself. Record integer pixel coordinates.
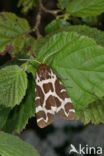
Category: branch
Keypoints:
(39, 16)
(53, 12)
(38, 21)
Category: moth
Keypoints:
(51, 97)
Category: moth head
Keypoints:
(44, 72)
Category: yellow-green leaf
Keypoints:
(13, 146)
(13, 31)
(13, 85)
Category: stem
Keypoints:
(38, 21)
(39, 17)
(53, 12)
(30, 60)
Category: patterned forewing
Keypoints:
(45, 101)
(51, 98)
(65, 108)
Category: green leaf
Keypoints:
(63, 3)
(94, 113)
(13, 85)
(80, 64)
(13, 146)
(18, 117)
(91, 21)
(29, 67)
(27, 5)
(85, 30)
(55, 25)
(3, 115)
(85, 8)
(55, 44)
(13, 31)
(94, 33)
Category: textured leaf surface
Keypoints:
(94, 113)
(13, 31)
(83, 8)
(13, 85)
(56, 25)
(18, 117)
(3, 115)
(91, 21)
(12, 146)
(80, 64)
(94, 33)
(63, 3)
(26, 5)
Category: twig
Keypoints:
(39, 16)
(38, 21)
(53, 12)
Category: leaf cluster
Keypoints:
(75, 52)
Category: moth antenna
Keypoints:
(30, 60)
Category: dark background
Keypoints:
(55, 140)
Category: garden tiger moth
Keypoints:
(51, 97)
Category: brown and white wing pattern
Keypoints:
(51, 98)
(64, 107)
(45, 96)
